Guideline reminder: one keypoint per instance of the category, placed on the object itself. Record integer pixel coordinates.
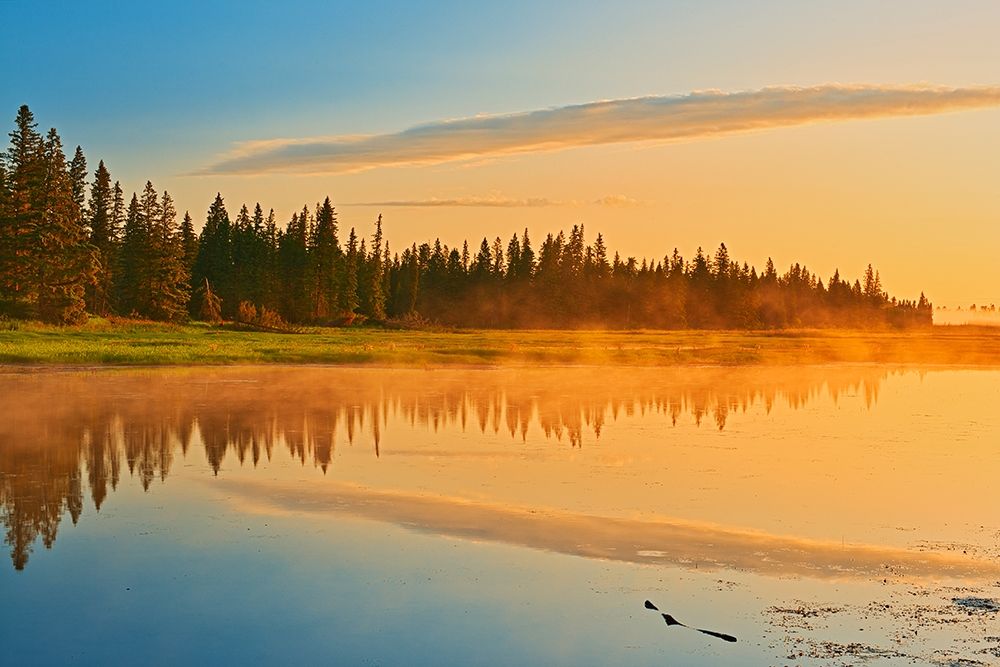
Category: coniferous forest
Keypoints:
(71, 245)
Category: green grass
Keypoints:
(147, 343)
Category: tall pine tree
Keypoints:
(64, 262)
(104, 238)
(169, 288)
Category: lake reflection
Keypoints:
(59, 429)
(845, 476)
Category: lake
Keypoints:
(822, 515)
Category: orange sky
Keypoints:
(914, 196)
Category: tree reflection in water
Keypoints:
(57, 426)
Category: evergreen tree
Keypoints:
(189, 243)
(373, 305)
(601, 266)
(5, 221)
(349, 291)
(526, 264)
(271, 288)
(215, 256)
(19, 234)
(64, 261)
(168, 289)
(134, 259)
(78, 178)
(513, 258)
(293, 259)
(482, 266)
(326, 264)
(104, 238)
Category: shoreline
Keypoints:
(149, 344)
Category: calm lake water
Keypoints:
(289, 515)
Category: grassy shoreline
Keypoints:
(145, 343)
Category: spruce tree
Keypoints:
(372, 296)
(526, 265)
(326, 264)
(104, 237)
(271, 288)
(169, 291)
(215, 258)
(5, 222)
(513, 258)
(131, 277)
(78, 177)
(25, 176)
(349, 289)
(293, 256)
(189, 243)
(65, 262)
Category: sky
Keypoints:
(830, 134)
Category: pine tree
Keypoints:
(498, 260)
(215, 256)
(572, 258)
(78, 177)
(25, 176)
(513, 258)
(244, 268)
(65, 263)
(373, 304)
(5, 222)
(870, 288)
(293, 257)
(482, 266)
(526, 265)
(349, 291)
(169, 291)
(189, 243)
(601, 266)
(271, 287)
(131, 277)
(721, 263)
(104, 237)
(326, 264)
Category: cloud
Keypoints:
(618, 201)
(696, 115)
(499, 201)
(489, 202)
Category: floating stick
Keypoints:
(670, 620)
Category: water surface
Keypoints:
(823, 515)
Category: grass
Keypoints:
(149, 343)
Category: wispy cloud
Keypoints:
(487, 202)
(618, 201)
(499, 201)
(663, 118)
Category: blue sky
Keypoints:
(184, 75)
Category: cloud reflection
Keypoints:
(664, 541)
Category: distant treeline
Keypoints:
(69, 247)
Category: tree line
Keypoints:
(70, 245)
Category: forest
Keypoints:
(71, 248)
